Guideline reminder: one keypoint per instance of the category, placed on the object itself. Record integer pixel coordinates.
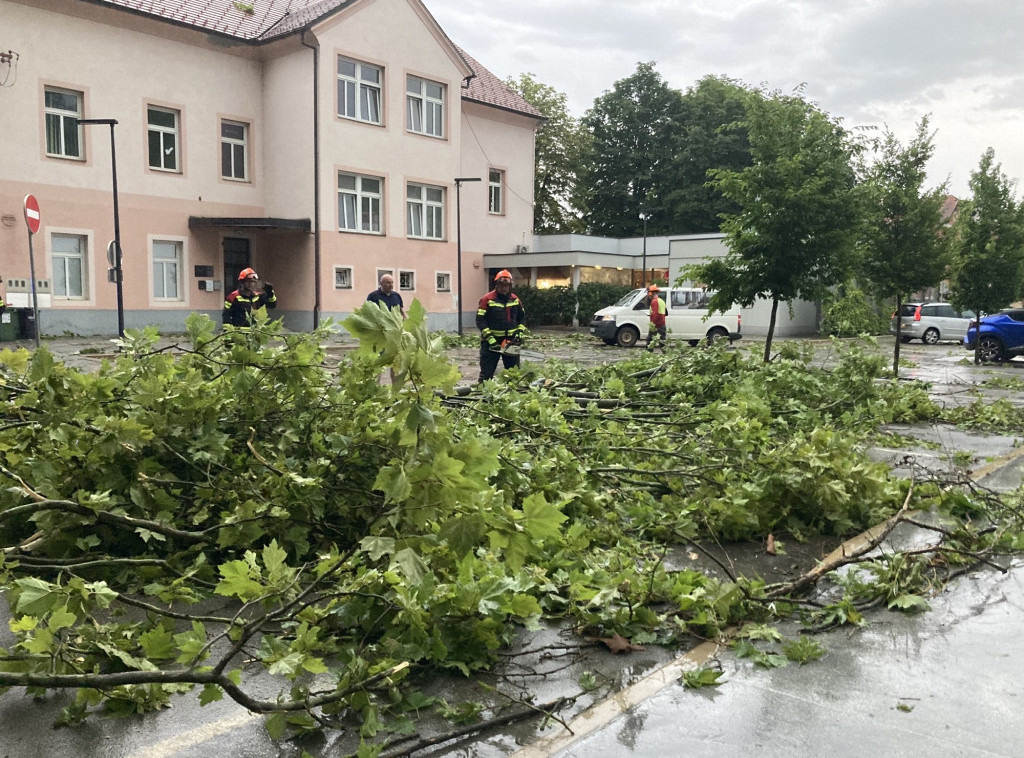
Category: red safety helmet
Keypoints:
(245, 273)
(653, 288)
(503, 274)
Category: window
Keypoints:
(425, 206)
(163, 138)
(63, 108)
(443, 281)
(406, 281)
(234, 150)
(424, 106)
(342, 277)
(359, 203)
(359, 86)
(68, 262)
(167, 268)
(495, 185)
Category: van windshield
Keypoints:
(627, 299)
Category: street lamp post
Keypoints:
(644, 215)
(116, 263)
(458, 237)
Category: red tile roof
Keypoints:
(257, 21)
(488, 89)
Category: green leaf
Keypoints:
(238, 581)
(191, 644)
(413, 567)
(158, 644)
(392, 481)
(702, 677)
(275, 725)
(377, 547)
(210, 694)
(541, 519)
(525, 606)
(464, 533)
(274, 560)
(61, 619)
(909, 603)
(35, 596)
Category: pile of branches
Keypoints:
(185, 515)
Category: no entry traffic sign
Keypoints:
(32, 213)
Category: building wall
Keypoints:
(802, 321)
(120, 72)
(122, 62)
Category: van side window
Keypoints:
(679, 298)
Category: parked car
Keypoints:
(931, 322)
(686, 317)
(1001, 335)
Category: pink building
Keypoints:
(316, 141)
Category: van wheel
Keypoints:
(716, 334)
(627, 336)
(931, 336)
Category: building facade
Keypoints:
(317, 141)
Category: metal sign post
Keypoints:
(32, 219)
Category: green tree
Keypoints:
(904, 245)
(560, 146)
(793, 235)
(705, 143)
(989, 248)
(635, 131)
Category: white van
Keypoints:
(686, 317)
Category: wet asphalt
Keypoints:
(948, 682)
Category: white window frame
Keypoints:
(360, 208)
(234, 151)
(360, 98)
(425, 211)
(169, 138)
(381, 272)
(341, 275)
(59, 265)
(496, 191)
(424, 109)
(65, 123)
(442, 281)
(406, 280)
(175, 266)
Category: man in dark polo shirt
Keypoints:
(386, 294)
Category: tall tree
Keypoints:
(635, 136)
(796, 225)
(561, 144)
(706, 142)
(989, 249)
(905, 247)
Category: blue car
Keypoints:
(1001, 335)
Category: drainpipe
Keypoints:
(316, 178)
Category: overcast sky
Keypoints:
(869, 62)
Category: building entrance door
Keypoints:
(237, 255)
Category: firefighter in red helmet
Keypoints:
(249, 297)
(499, 317)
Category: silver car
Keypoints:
(931, 322)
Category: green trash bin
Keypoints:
(10, 325)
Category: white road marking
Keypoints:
(179, 742)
